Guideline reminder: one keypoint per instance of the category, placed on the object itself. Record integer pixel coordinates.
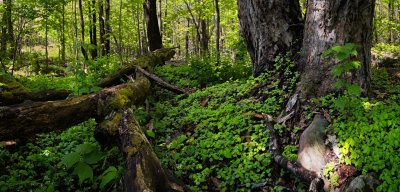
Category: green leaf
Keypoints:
(84, 171)
(354, 90)
(93, 157)
(70, 159)
(85, 148)
(227, 153)
(110, 174)
(337, 70)
(151, 134)
(338, 84)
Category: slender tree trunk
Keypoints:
(120, 31)
(153, 31)
(107, 40)
(10, 27)
(335, 22)
(47, 37)
(218, 30)
(75, 21)
(83, 50)
(139, 37)
(63, 34)
(204, 37)
(159, 16)
(102, 29)
(93, 28)
(187, 37)
(270, 28)
(4, 30)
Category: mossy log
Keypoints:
(11, 98)
(13, 92)
(155, 58)
(27, 119)
(143, 170)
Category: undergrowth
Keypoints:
(39, 165)
(211, 138)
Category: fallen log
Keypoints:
(143, 170)
(155, 58)
(27, 119)
(11, 98)
(161, 82)
(12, 92)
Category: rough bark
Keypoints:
(143, 170)
(11, 98)
(27, 119)
(335, 22)
(158, 57)
(270, 28)
(153, 30)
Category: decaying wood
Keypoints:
(308, 177)
(143, 170)
(27, 119)
(11, 98)
(155, 58)
(13, 92)
(161, 82)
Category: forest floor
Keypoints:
(214, 138)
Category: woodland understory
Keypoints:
(210, 95)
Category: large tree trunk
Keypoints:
(270, 28)
(335, 22)
(153, 31)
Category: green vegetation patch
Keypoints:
(70, 161)
(211, 138)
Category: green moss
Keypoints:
(112, 124)
(122, 98)
(11, 84)
(131, 150)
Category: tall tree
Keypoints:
(7, 29)
(217, 30)
(102, 28)
(270, 28)
(153, 31)
(93, 28)
(335, 22)
(107, 28)
(82, 22)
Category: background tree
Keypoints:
(153, 30)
